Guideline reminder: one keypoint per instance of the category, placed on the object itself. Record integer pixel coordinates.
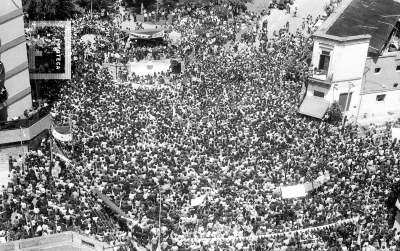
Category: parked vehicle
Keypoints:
(281, 4)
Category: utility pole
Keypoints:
(91, 9)
(22, 147)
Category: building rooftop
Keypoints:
(355, 18)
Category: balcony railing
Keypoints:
(24, 123)
(24, 129)
(321, 77)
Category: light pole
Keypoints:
(359, 104)
(91, 9)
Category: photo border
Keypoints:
(67, 56)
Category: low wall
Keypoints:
(67, 240)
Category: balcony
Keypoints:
(24, 129)
(320, 78)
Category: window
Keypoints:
(381, 97)
(398, 68)
(377, 70)
(324, 59)
(319, 94)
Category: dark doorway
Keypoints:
(3, 114)
(324, 61)
(342, 101)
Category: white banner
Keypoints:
(61, 137)
(396, 133)
(133, 36)
(293, 191)
(198, 201)
(158, 34)
(65, 159)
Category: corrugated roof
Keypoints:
(361, 13)
(314, 107)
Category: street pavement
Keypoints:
(278, 18)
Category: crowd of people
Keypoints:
(225, 131)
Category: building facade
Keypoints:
(356, 60)
(13, 55)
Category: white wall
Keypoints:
(17, 109)
(17, 83)
(372, 107)
(347, 58)
(14, 57)
(9, 5)
(12, 29)
(333, 94)
(348, 61)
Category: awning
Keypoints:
(111, 204)
(314, 106)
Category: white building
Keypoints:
(14, 75)
(356, 58)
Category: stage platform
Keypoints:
(140, 68)
(149, 67)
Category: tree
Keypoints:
(96, 4)
(50, 9)
(335, 113)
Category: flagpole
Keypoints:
(51, 154)
(159, 222)
(70, 130)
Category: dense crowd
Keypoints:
(228, 129)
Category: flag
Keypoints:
(359, 236)
(198, 201)
(396, 224)
(398, 202)
(396, 133)
(166, 187)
